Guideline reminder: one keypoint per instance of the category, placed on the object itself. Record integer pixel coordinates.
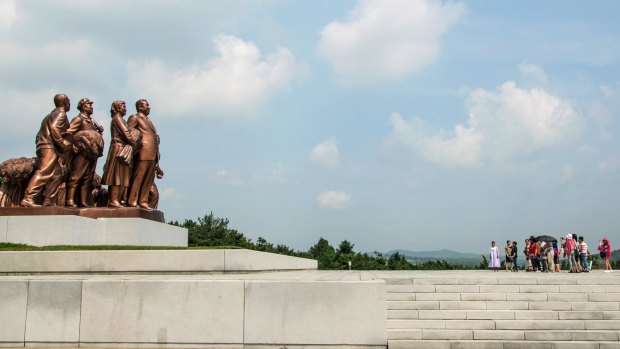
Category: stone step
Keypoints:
(594, 278)
(504, 324)
(499, 344)
(442, 324)
(484, 335)
(503, 288)
(505, 311)
(505, 296)
(503, 305)
(509, 288)
(507, 315)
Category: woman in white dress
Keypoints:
(494, 257)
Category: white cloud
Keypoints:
(8, 14)
(533, 71)
(461, 150)
(334, 200)
(229, 178)
(387, 39)
(238, 80)
(503, 126)
(326, 154)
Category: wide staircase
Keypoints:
(485, 309)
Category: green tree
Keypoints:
(397, 261)
(596, 261)
(484, 264)
(364, 261)
(380, 259)
(263, 245)
(345, 247)
(213, 231)
(344, 255)
(324, 253)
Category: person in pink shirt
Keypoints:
(605, 250)
(583, 254)
(569, 250)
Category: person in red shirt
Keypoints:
(535, 254)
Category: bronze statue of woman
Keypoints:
(117, 169)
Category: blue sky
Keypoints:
(412, 124)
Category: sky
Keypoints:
(396, 124)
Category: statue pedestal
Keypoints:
(44, 226)
(93, 212)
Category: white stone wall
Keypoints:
(119, 312)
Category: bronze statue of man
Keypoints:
(146, 157)
(117, 169)
(82, 167)
(51, 150)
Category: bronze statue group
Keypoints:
(63, 173)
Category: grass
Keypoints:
(5, 246)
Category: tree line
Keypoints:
(214, 231)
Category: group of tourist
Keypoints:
(543, 254)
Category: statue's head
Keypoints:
(61, 100)
(142, 105)
(85, 105)
(118, 107)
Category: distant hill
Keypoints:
(441, 254)
(452, 257)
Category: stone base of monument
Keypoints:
(293, 309)
(44, 226)
(150, 261)
(229, 298)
